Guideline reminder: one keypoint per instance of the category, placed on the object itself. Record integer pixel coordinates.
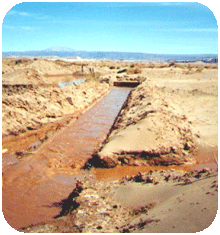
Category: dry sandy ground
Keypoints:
(170, 119)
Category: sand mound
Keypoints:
(6, 69)
(25, 71)
(150, 129)
(48, 67)
(22, 76)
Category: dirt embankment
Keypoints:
(31, 103)
(166, 118)
(39, 105)
(27, 71)
(150, 129)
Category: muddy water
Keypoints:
(204, 156)
(32, 184)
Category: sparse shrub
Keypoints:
(189, 67)
(112, 67)
(150, 65)
(93, 76)
(180, 65)
(211, 66)
(172, 64)
(199, 69)
(163, 65)
(193, 68)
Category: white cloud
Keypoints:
(8, 26)
(26, 28)
(27, 14)
(24, 14)
(20, 27)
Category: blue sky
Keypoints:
(169, 28)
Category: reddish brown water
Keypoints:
(31, 185)
(205, 156)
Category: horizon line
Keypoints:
(81, 50)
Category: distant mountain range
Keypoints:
(126, 56)
(59, 49)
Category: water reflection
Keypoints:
(79, 80)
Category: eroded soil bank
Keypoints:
(30, 108)
(40, 178)
(156, 128)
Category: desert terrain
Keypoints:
(153, 169)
